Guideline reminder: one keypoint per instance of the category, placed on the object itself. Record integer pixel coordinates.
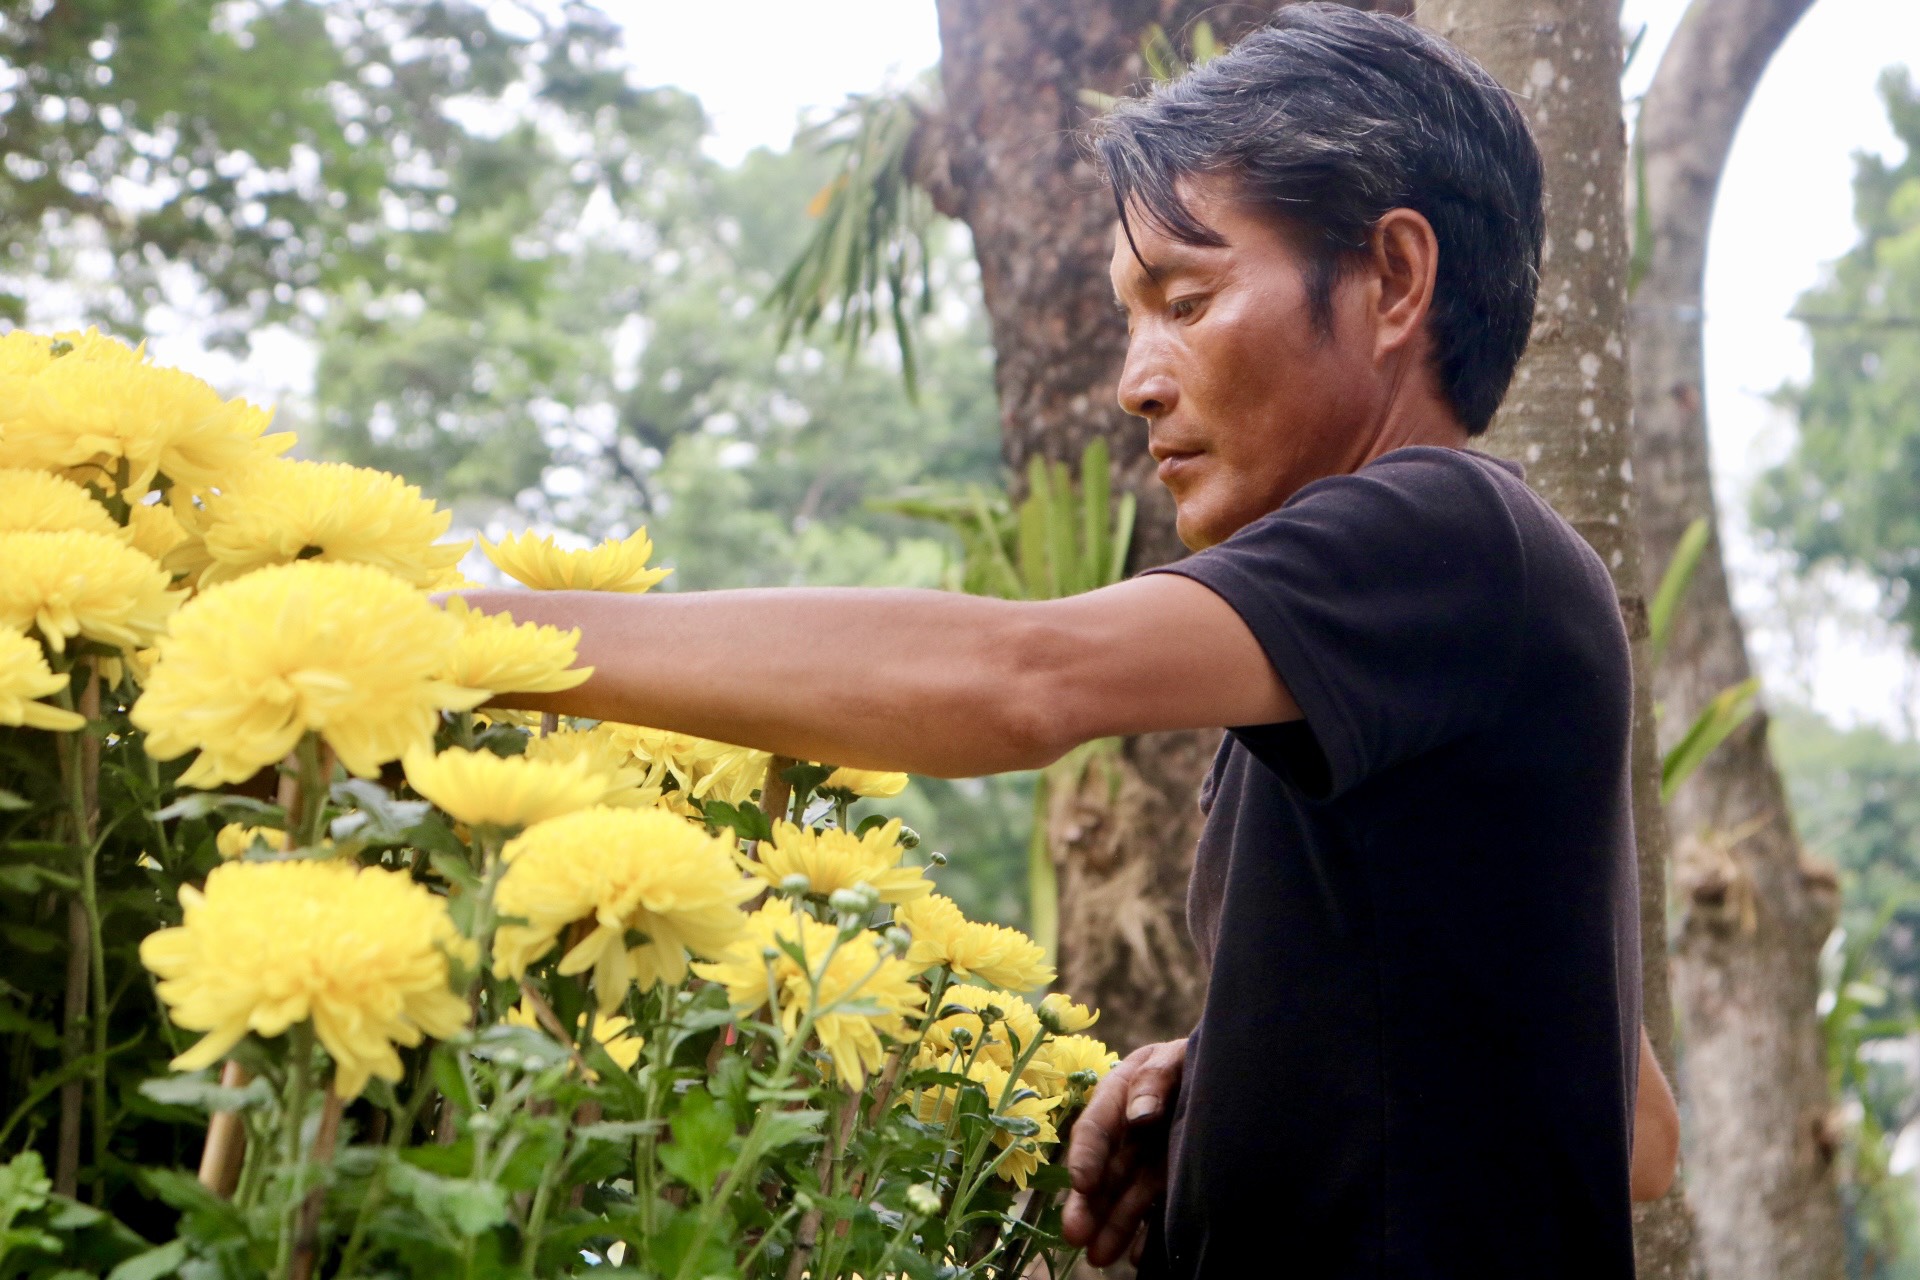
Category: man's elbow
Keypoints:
(1035, 721)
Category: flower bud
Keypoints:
(923, 1199)
(796, 885)
(938, 858)
(899, 939)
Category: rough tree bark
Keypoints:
(1567, 416)
(1753, 913)
(1002, 157)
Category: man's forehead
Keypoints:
(1153, 257)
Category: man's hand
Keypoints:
(1118, 1153)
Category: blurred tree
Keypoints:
(1753, 914)
(1856, 800)
(1845, 494)
(262, 157)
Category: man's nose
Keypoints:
(1146, 390)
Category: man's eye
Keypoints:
(1181, 308)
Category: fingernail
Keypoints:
(1143, 1108)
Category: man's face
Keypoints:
(1246, 401)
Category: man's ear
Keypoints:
(1404, 254)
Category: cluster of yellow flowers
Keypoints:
(252, 609)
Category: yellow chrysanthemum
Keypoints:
(856, 970)
(499, 655)
(346, 650)
(605, 756)
(280, 510)
(991, 953)
(1064, 1015)
(614, 565)
(25, 678)
(1024, 1153)
(24, 355)
(871, 783)
(41, 502)
(361, 951)
(82, 584)
(614, 1034)
(99, 414)
(832, 860)
(236, 840)
(481, 788)
(155, 530)
(1003, 1025)
(1063, 1057)
(631, 872)
(697, 767)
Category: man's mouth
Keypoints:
(1173, 462)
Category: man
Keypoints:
(1420, 1052)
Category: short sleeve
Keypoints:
(1390, 601)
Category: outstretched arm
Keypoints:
(925, 681)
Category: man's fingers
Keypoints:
(1153, 1083)
(1078, 1222)
(1097, 1130)
(1124, 1218)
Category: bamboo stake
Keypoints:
(226, 1144)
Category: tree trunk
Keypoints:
(1753, 915)
(1004, 158)
(1566, 418)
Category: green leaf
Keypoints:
(203, 1093)
(24, 1186)
(1674, 582)
(152, 1264)
(463, 1206)
(783, 1128)
(702, 1142)
(745, 819)
(1727, 711)
(209, 804)
(12, 802)
(26, 878)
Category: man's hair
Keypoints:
(1327, 118)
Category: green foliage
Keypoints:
(868, 258)
(1674, 583)
(1855, 796)
(1724, 712)
(277, 152)
(1845, 494)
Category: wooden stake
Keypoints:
(226, 1143)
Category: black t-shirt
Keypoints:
(1419, 1047)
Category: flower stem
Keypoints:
(300, 1083)
(311, 801)
(307, 1239)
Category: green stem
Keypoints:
(299, 1085)
(313, 792)
(487, 844)
(397, 1137)
(542, 1200)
